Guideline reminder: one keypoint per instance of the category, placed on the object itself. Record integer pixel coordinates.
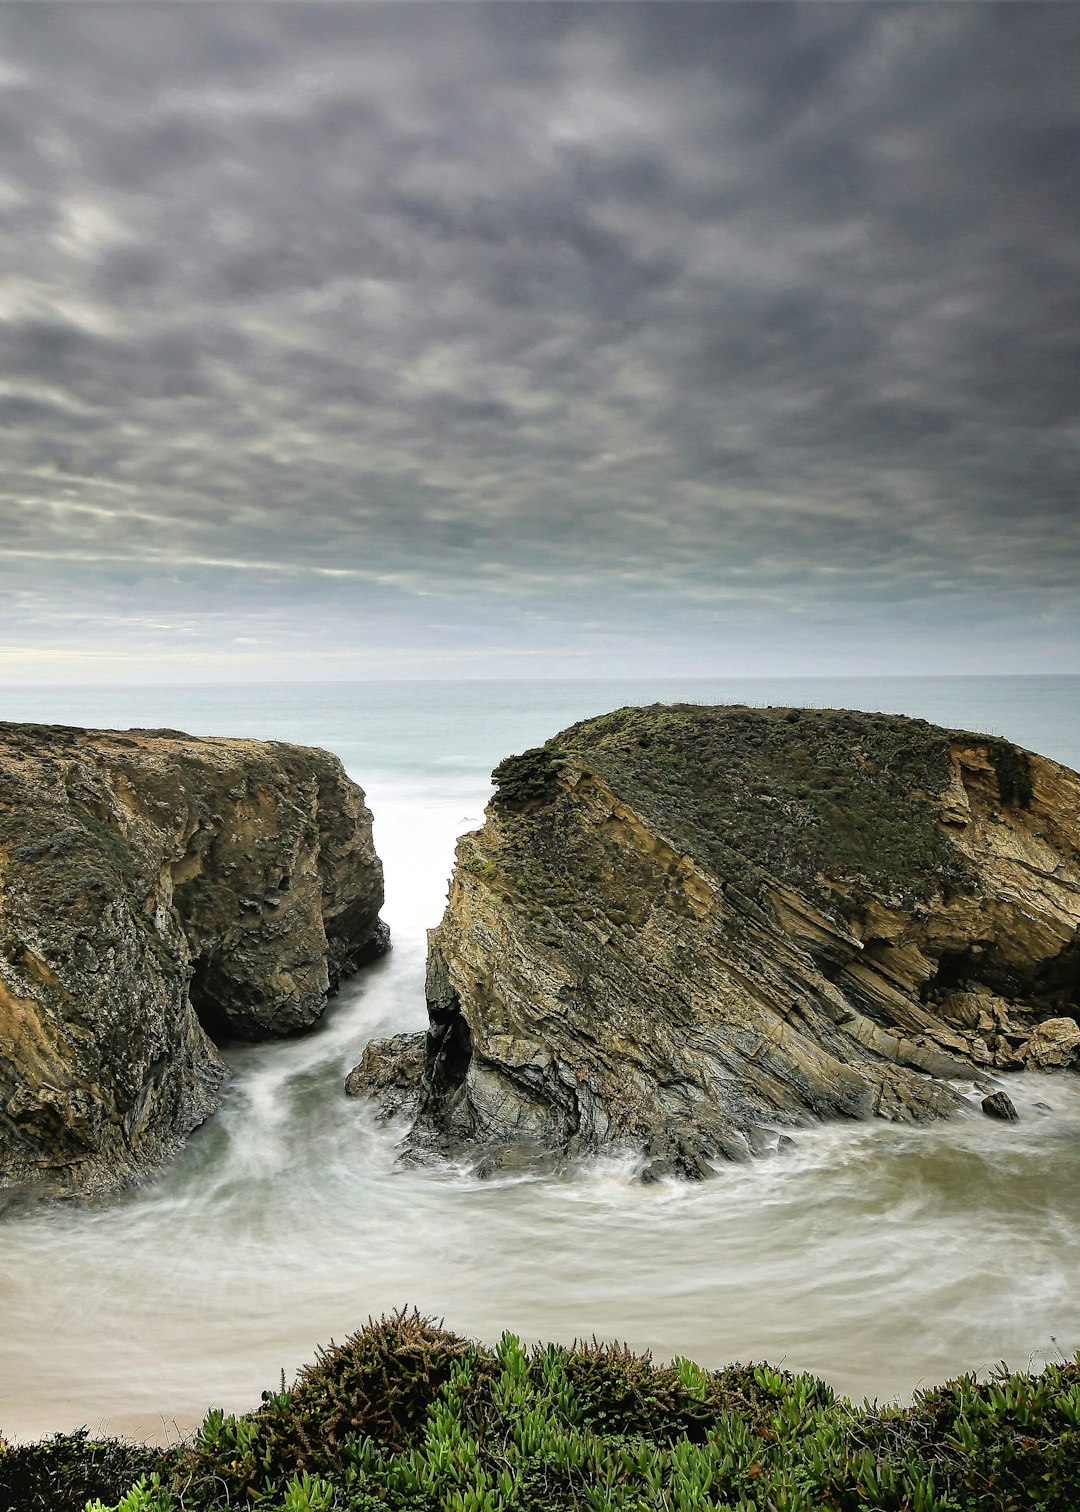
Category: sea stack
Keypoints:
(159, 892)
(686, 929)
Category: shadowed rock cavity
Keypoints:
(684, 930)
(159, 892)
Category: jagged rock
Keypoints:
(684, 924)
(1000, 1105)
(982, 1027)
(390, 1072)
(158, 890)
(1053, 1043)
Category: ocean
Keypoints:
(882, 1258)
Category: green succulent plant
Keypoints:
(406, 1417)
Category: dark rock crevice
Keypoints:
(1057, 983)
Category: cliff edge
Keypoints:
(688, 928)
(157, 892)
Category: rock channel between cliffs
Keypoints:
(158, 892)
(686, 929)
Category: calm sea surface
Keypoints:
(879, 1257)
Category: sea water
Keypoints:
(877, 1256)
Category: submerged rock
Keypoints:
(679, 925)
(159, 891)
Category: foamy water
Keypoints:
(879, 1257)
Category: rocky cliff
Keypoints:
(158, 892)
(687, 929)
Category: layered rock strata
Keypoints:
(686, 929)
(158, 892)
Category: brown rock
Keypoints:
(1053, 1043)
(157, 890)
(679, 923)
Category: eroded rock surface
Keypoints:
(158, 891)
(391, 1070)
(687, 928)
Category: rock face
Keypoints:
(391, 1070)
(158, 891)
(686, 928)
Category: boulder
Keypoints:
(159, 892)
(390, 1072)
(1053, 1043)
(680, 925)
(1000, 1105)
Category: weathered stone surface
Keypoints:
(1054, 1043)
(157, 890)
(1000, 1105)
(681, 924)
(390, 1071)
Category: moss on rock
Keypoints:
(799, 794)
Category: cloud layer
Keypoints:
(730, 337)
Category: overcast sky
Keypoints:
(508, 339)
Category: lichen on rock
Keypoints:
(685, 929)
(158, 892)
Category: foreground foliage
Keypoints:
(68, 1470)
(408, 1417)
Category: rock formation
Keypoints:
(157, 892)
(685, 929)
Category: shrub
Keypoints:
(64, 1472)
(532, 777)
(405, 1417)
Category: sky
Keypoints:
(517, 340)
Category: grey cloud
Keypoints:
(643, 314)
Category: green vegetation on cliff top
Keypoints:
(802, 795)
(406, 1416)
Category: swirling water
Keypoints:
(880, 1257)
